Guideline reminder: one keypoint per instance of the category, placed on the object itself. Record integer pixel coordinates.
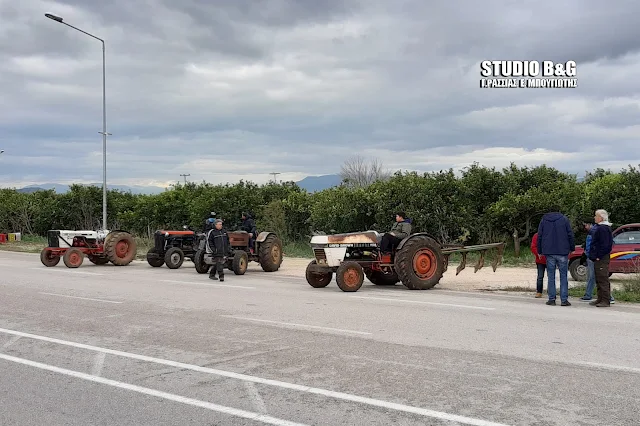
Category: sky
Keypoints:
(230, 90)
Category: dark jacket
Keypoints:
(601, 242)
(218, 242)
(555, 236)
(249, 225)
(401, 229)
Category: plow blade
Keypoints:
(482, 248)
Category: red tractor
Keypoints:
(100, 247)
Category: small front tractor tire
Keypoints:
(318, 280)
(120, 248)
(240, 262)
(48, 259)
(73, 258)
(198, 261)
(174, 257)
(350, 276)
(419, 263)
(270, 253)
(98, 260)
(154, 258)
(380, 278)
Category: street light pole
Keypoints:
(104, 118)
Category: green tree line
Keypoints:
(479, 205)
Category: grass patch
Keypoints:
(28, 244)
(298, 249)
(630, 291)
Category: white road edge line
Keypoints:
(425, 303)
(65, 271)
(297, 325)
(78, 297)
(208, 284)
(276, 383)
(159, 394)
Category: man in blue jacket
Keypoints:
(599, 252)
(555, 242)
(591, 274)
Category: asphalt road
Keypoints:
(136, 345)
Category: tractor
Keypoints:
(419, 261)
(100, 247)
(172, 247)
(266, 250)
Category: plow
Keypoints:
(419, 260)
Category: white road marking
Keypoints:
(65, 271)
(608, 366)
(255, 396)
(425, 303)
(208, 284)
(276, 383)
(297, 325)
(98, 364)
(81, 298)
(159, 394)
(11, 342)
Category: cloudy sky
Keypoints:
(233, 89)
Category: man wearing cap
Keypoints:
(218, 247)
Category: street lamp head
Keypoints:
(54, 17)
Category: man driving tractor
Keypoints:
(249, 225)
(399, 231)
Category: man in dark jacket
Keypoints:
(555, 242)
(249, 225)
(218, 247)
(399, 231)
(599, 253)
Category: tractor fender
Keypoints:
(263, 236)
(417, 234)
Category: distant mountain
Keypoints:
(318, 183)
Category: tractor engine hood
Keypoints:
(367, 238)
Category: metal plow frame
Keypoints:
(448, 250)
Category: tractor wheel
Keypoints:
(120, 248)
(270, 253)
(578, 272)
(198, 260)
(98, 260)
(154, 258)
(419, 263)
(317, 280)
(73, 258)
(174, 257)
(48, 259)
(240, 262)
(350, 276)
(380, 278)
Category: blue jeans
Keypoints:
(591, 280)
(540, 281)
(562, 262)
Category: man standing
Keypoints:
(599, 252)
(218, 247)
(541, 264)
(555, 242)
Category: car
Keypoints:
(625, 255)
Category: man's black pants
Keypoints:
(389, 242)
(218, 266)
(602, 279)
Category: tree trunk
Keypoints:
(516, 242)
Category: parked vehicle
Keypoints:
(625, 255)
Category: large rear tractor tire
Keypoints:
(240, 262)
(270, 253)
(198, 261)
(317, 280)
(578, 272)
(120, 248)
(174, 257)
(419, 263)
(48, 259)
(155, 258)
(380, 278)
(98, 260)
(350, 276)
(73, 258)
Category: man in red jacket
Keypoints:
(541, 263)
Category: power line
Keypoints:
(185, 178)
(274, 176)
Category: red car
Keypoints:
(625, 255)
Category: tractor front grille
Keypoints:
(158, 241)
(320, 255)
(52, 238)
